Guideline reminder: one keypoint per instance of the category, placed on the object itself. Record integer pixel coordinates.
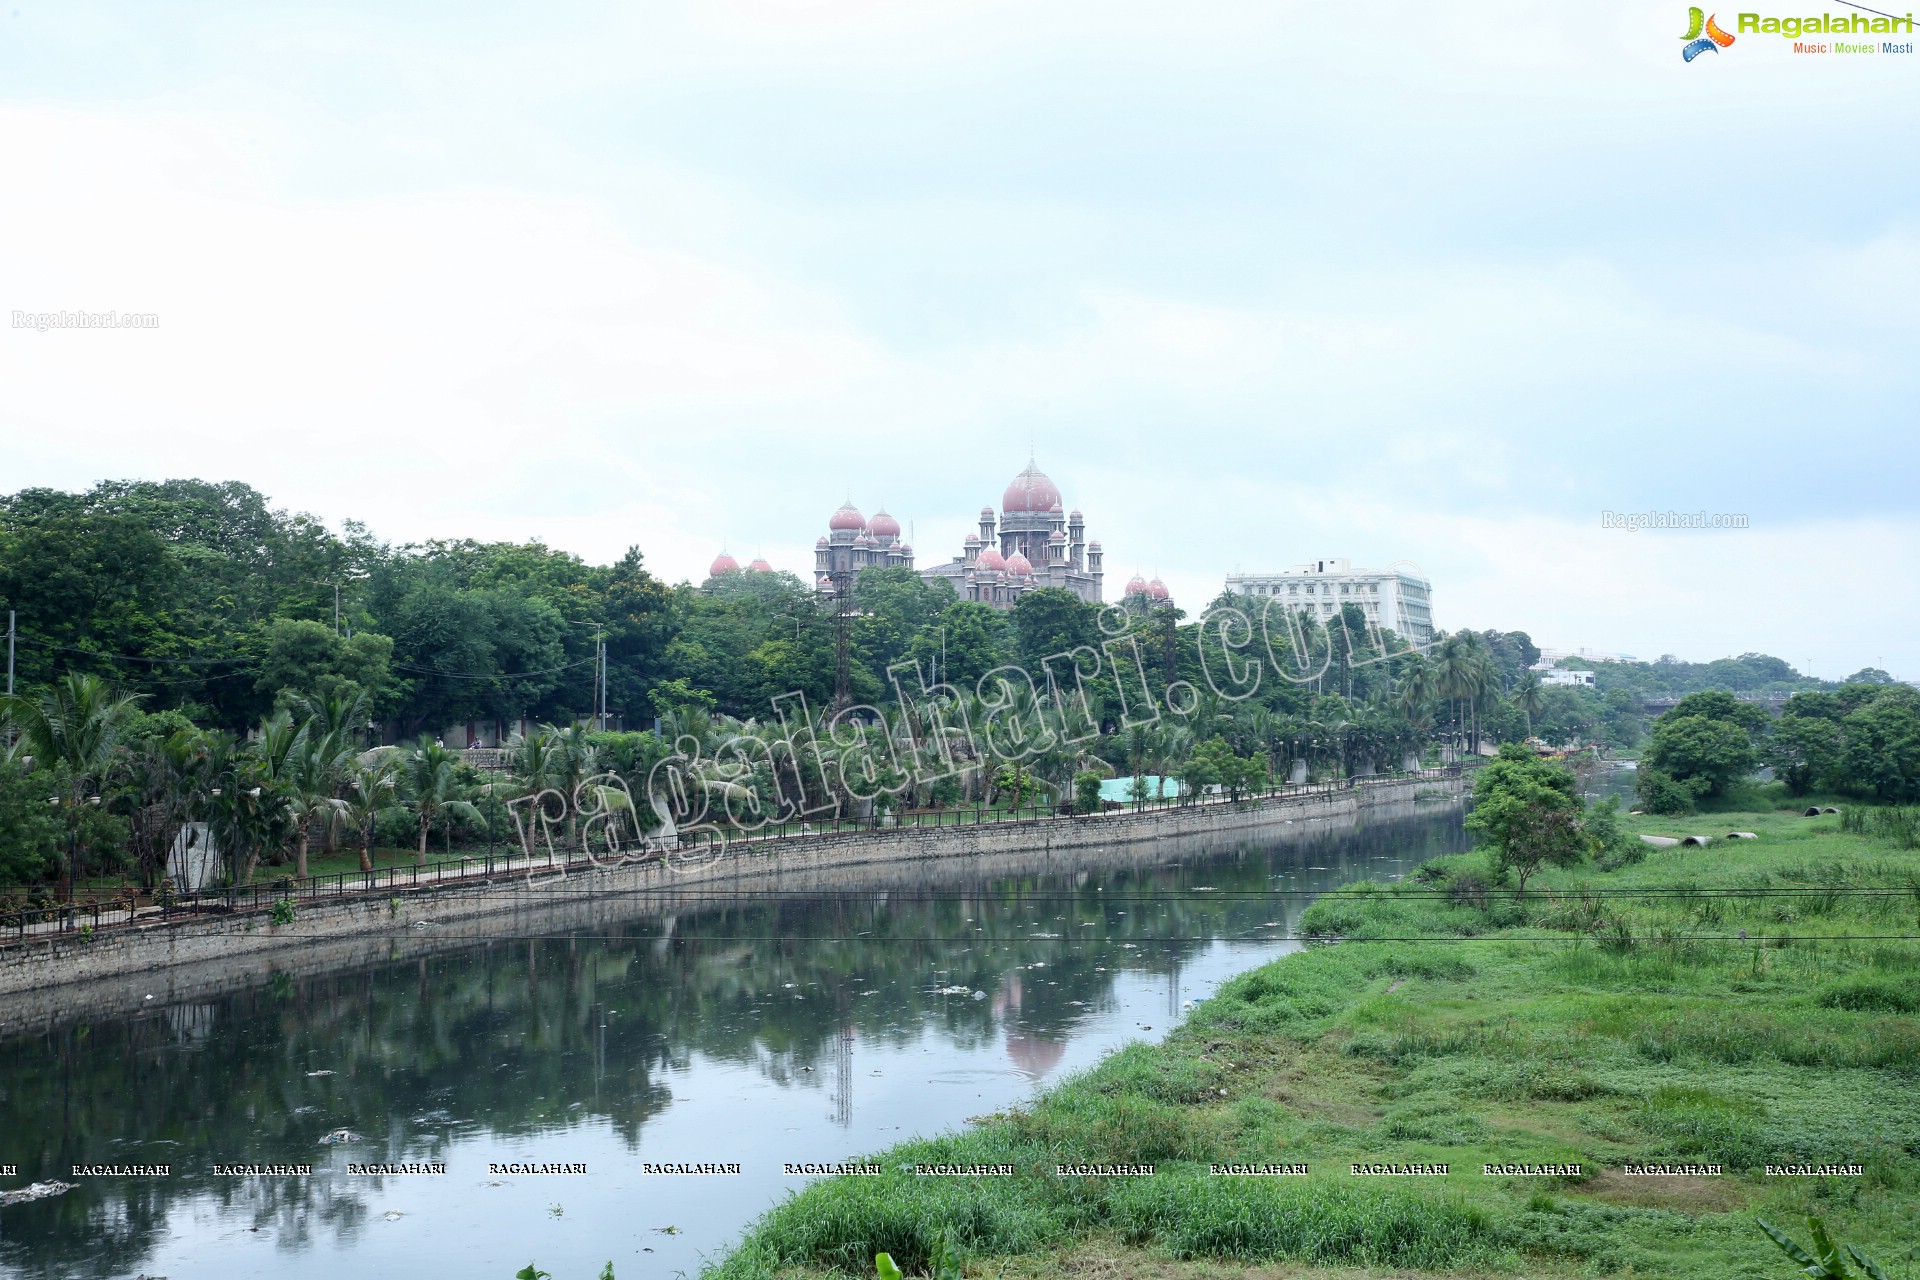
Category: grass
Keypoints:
(1609, 1017)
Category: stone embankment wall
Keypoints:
(46, 978)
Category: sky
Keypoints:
(1254, 283)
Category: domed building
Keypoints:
(1032, 543)
(853, 543)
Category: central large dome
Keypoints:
(1030, 491)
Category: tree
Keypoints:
(429, 784)
(370, 792)
(75, 728)
(1530, 696)
(1869, 675)
(1086, 792)
(1527, 809)
(1717, 753)
(1883, 748)
(1718, 704)
(30, 831)
(1805, 750)
(308, 660)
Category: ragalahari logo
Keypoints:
(1714, 39)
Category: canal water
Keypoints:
(756, 1034)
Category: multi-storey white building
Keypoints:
(1395, 599)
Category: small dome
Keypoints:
(1030, 491)
(1158, 590)
(991, 559)
(863, 541)
(847, 517)
(759, 565)
(1018, 566)
(1058, 537)
(821, 541)
(1093, 546)
(1055, 508)
(986, 513)
(905, 550)
(883, 525)
(1136, 585)
(973, 540)
(722, 563)
(1075, 515)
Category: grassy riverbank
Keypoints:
(1610, 1017)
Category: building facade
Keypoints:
(1032, 543)
(853, 543)
(1394, 599)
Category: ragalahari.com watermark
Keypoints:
(45, 320)
(1634, 521)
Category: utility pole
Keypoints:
(842, 674)
(603, 682)
(10, 631)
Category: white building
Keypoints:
(1555, 675)
(1394, 599)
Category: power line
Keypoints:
(502, 675)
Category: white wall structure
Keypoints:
(194, 862)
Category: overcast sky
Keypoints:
(1256, 283)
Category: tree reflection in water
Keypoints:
(529, 1037)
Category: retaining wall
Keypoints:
(48, 978)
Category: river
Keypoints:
(796, 1029)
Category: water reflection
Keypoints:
(782, 1029)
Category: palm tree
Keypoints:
(369, 793)
(336, 720)
(1530, 695)
(246, 811)
(311, 779)
(75, 727)
(430, 785)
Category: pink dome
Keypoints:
(1030, 491)
(847, 517)
(1055, 507)
(1136, 585)
(1018, 566)
(820, 541)
(991, 559)
(1094, 545)
(1076, 515)
(759, 565)
(973, 540)
(863, 541)
(883, 525)
(1057, 536)
(722, 563)
(1158, 590)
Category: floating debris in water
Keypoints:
(339, 1136)
(979, 995)
(951, 991)
(393, 1215)
(312, 1074)
(668, 1231)
(36, 1191)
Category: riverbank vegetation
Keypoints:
(189, 656)
(1748, 1003)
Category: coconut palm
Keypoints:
(1530, 695)
(75, 728)
(429, 784)
(369, 792)
(311, 781)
